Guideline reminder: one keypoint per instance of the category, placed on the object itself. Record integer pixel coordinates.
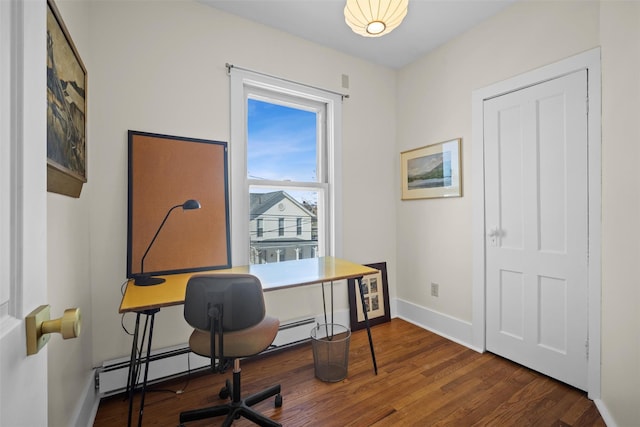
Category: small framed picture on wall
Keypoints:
(432, 171)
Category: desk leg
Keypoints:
(134, 363)
(324, 304)
(152, 313)
(366, 321)
(133, 368)
(332, 321)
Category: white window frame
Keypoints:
(246, 83)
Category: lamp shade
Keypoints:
(374, 18)
(190, 205)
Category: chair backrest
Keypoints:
(240, 295)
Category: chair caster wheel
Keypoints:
(278, 400)
(225, 391)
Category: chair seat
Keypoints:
(243, 343)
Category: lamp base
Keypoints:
(146, 280)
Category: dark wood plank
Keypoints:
(423, 380)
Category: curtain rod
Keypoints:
(230, 66)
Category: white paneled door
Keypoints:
(23, 208)
(536, 206)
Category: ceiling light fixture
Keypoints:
(374, 18)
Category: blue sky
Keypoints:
(281, 142)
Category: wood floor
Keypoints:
(423, 380)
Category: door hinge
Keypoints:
(587, 101)
(586, 348)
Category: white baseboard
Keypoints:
(604, 413)
(85, 411)
(449, 327)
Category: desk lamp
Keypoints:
(143, 279)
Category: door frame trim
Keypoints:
(589, 60)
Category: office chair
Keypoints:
(228, 314)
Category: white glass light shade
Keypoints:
(374, 18)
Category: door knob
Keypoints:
(493, 235)
(68, 325)
(40, 326)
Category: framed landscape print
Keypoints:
(432, 171)
(66, 110)
(376, 298)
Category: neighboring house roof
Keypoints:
(259, 203)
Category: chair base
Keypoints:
(237, 407)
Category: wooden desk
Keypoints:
(274, 276)
(148, 300)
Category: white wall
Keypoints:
(160, 67)
(620, 39)
(68, 267)
(434, 104)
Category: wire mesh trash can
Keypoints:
(330, 351)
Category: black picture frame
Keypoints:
(166, 171)
(376, 287)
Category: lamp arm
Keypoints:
(154, 237)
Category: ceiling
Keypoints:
(428, 24)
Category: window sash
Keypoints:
(320, 110)
(246, 83)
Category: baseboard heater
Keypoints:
(166, 363)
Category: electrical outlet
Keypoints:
(435, 289)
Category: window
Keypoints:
(285, 162)
(280, 227)
(260, 227)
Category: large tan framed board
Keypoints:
(165, 171)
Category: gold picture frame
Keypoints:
(432, 171)
(66, 109)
